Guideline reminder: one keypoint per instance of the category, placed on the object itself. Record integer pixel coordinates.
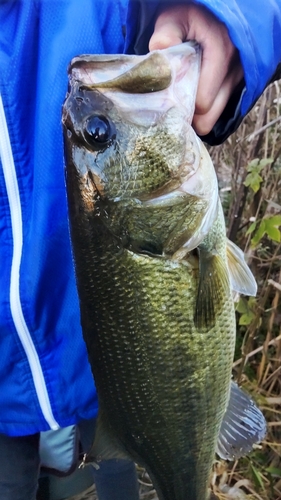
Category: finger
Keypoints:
(162, 40)
(215, 69)
(203, 123)
(168, 31)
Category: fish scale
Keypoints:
(147, 167)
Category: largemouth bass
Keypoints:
(154, 270)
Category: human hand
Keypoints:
(221, 69)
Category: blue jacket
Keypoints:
(45, 379)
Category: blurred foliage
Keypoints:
(254, 169)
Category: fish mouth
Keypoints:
(174, 70)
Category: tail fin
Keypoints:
(243, 426)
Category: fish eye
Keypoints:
(98, 131)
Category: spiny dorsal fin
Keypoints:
(213, 289)
(243, 426)
(241, 277)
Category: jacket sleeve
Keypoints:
(254, 28)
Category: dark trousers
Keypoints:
(20, 469)
(116, 480)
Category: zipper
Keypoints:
(10, 177)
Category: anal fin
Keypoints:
(243, 426)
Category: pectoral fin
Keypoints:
(243, 426)
(213, 289)
(241, 277)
